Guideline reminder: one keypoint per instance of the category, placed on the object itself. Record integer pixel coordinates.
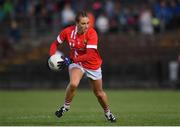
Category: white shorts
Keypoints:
(93, 74)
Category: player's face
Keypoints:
(83, 24)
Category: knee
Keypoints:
(100, 94)
(73, 85)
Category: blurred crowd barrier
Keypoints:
(129, 61)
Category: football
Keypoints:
(53, 61)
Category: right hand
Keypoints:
(61, 65)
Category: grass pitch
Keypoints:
(130, 107)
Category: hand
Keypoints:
(62, 64)
(67, 60)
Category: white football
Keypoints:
(53, 61)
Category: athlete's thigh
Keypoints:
(75, 75)
(96, 85)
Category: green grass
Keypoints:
(130, 107)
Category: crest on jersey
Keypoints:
(85, 42)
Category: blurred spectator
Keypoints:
(46, 19)
(97, 7)
(175, 10)
(145, 21)
(78, 5)
(174, 7)
(19, 9)
(122, 19)
(67, 15)
(14, 32)
(129, 17)
(31, 9)
(102, 23)
(163, 13)
(109, 8)
(113, 25)
(114, 19)
(8, 7)
(173, 73)
(156, 24)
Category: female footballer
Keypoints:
(84, 59)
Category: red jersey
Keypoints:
(80, 45)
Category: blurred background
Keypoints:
(139, 41)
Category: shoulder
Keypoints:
(92, 35)
(91, 31)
